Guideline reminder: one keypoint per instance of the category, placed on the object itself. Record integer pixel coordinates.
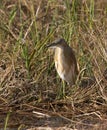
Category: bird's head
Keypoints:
(57, 43)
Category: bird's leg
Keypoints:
(61, 93)
(63, 88)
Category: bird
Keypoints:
(65, 61)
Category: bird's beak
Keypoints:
(52, 45)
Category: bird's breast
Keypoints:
(60, 63)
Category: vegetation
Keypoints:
(28, 80)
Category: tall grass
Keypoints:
(30, 31)
(6, 121)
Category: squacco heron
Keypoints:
(65, 61)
